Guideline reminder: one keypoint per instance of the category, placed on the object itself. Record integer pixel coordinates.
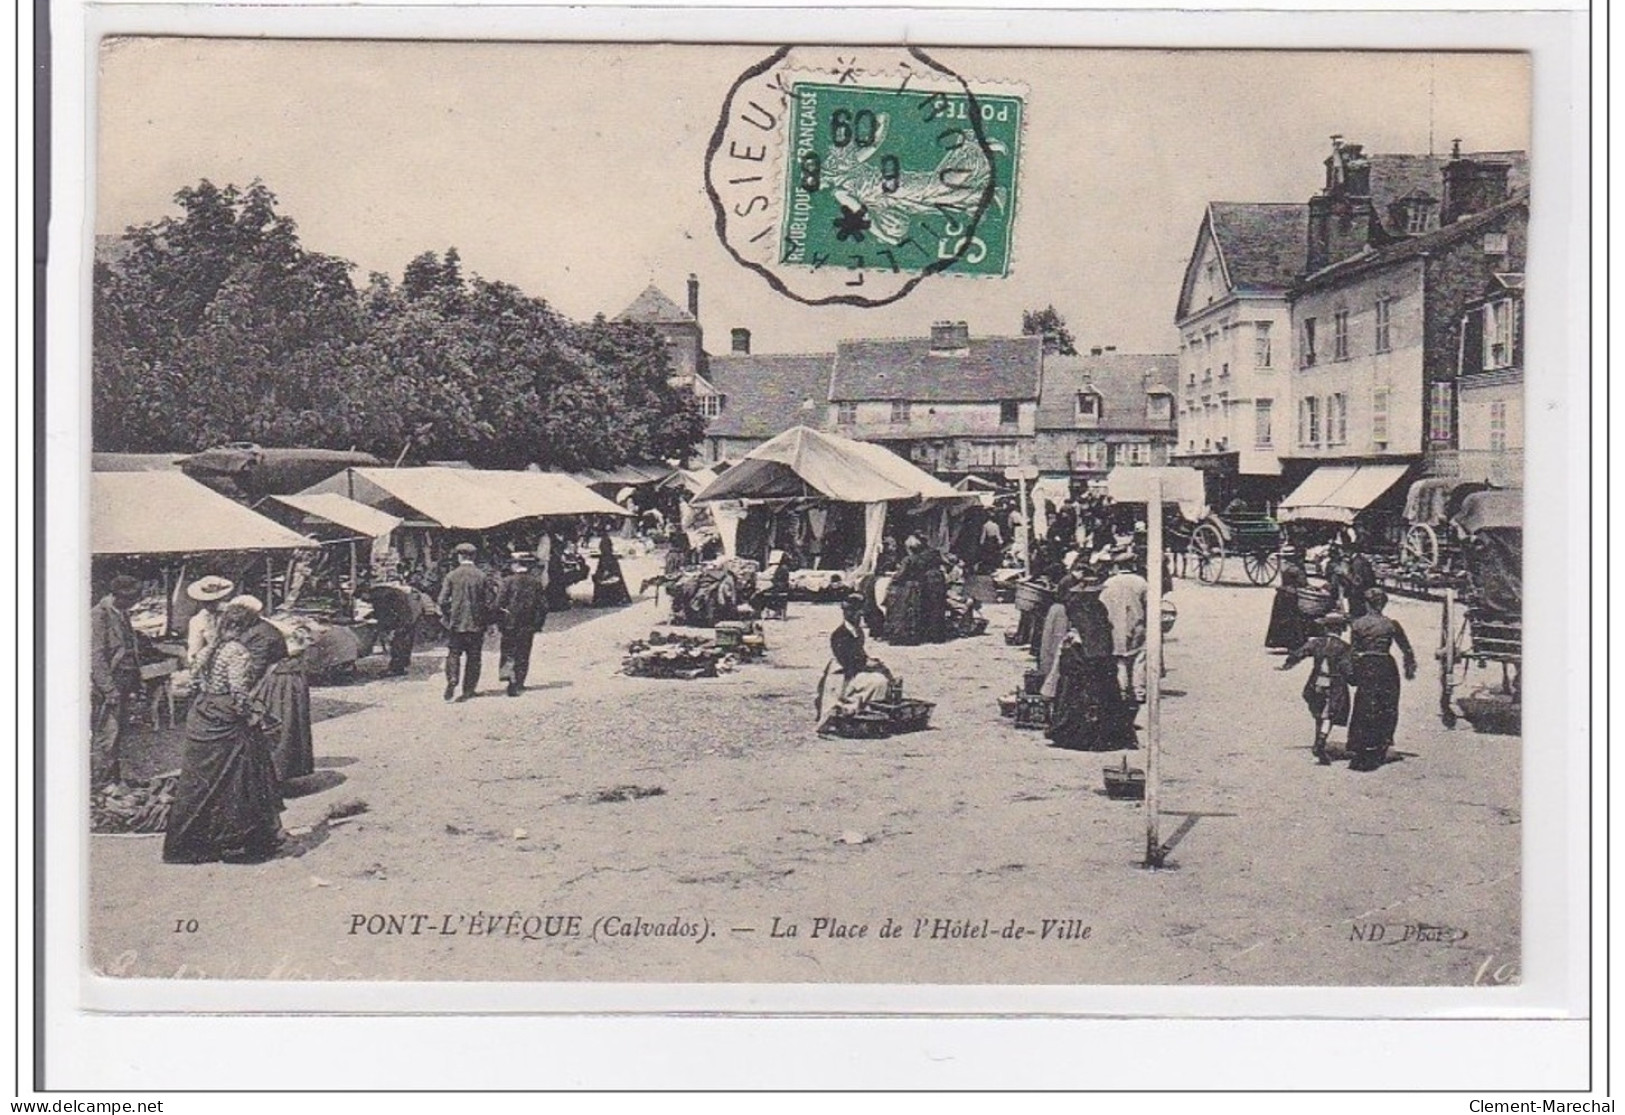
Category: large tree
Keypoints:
(1049, 324)
(218, 325)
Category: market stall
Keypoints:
(837, 483)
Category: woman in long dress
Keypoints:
(933, 582)
(285, 692)
(1288, 628)
(1089, 713)
(1376, 680)
(608, 584)
(226, 805)
(904, 624)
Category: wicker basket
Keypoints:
(1170, 613)
(1315, 602)
(1033, 597)
(1125, 783)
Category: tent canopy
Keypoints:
(1500, 509)
(1338, 493)
(254, 471)
(170, 513)
(368, 522)
(135, 462)
(625, 476)
(466, 499)
(807, 462)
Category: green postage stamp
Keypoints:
(847, 176)
(900, 179)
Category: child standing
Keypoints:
(1327, 690)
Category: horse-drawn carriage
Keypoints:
(1254, 536)
(1481, 623)
(1432, 543)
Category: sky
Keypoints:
(576, 171)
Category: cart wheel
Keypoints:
(1208, 546)
(1419, 549)
(1261, 568)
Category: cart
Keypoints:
(1253, 536)
(1481, 622)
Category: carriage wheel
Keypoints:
(1447, 662)
(1419, 549)
(1208, 546)
(1261, 568)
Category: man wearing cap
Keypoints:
(466, 606)
(115, 673)
(209, 593)
(521, 612)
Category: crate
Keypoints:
(1033, 711)
(1125, 783)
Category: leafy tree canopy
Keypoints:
(1049, 324)
(219, 325)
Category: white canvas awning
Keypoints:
(465, 498)
(1337, 493)
(368, 522)
(1181, 485)
(805, 462)
(170, 513)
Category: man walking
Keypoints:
(115, 673)
(521, 612)
(465, 608)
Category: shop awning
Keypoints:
(170, 513)
(368, 522)
(1337, 493)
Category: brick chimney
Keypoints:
(950, 336)
(741, 341)
(1340, 216)
(1471, 186)
(694, 297)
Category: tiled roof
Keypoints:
(652, 307)
(1414, 246)
(991, 370)
(1263, 243)
(768, 394)
(1121, 378)
(1397, 176)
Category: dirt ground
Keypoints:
(487, 850)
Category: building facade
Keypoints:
(1380, 326)
(1234, 323)
(951, 403)
(1489, 386)
(1106, 409)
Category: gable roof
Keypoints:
(652, 307)
(1122, 379)
(766, 395)
(991, 370)
(1261, 244)
(804, 462)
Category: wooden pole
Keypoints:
(353, 574)
(1026, 526)
(1153, 675)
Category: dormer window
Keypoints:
(711, 405)
(1414, 214)
(1159, 407)
(1089, 406)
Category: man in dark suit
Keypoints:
(466, 606)
(115, 674)
(521, 612)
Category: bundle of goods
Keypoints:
(964, 616)
(821, 585)
(143, 807)
(879, 719)
(329, 649)
(1027, 706)
(686, 657)
(149, 616)
(718, 591)
(1315, 601)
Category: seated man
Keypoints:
(852, 679)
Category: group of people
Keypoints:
(925, 600)
(1354, 681)
(1091, 653)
